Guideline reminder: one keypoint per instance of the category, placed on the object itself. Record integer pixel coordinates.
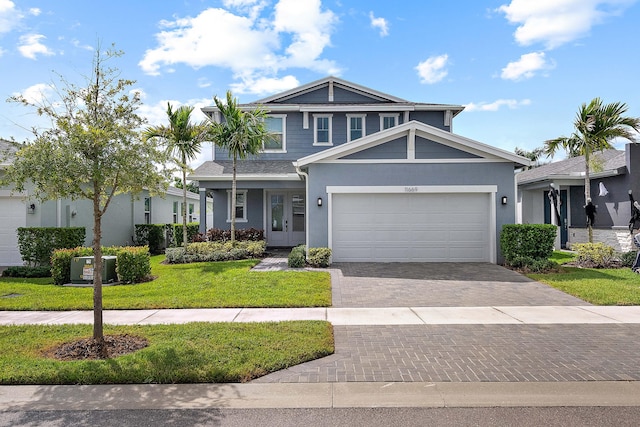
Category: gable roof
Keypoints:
(410, 130)
(380, 101)
(613, 163)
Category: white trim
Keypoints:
(256, 177)
(423, 161)
(305, 120)
(422, 130)
(490, 190)
(330, 90)
(244, 211)
(427, 189)
(315, 129)
(363, 117)
(411, 145)
(388, 115)
(283, 118)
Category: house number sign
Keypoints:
(410, 189)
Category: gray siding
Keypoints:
(612, 210)
(427, 149)
(432, 118)
(328, 174)
(391, 150)
(321, 96)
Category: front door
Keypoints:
(285, 218)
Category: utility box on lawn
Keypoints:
(82, 269)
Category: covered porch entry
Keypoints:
(285, 217)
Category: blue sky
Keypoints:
(521, 67)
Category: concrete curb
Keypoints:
(320, 395)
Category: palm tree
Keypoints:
(534, 156)
(241, 133)
(184, 141)
(595, 126)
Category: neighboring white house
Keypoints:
(118, 223)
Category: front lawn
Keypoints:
(191, 353)
(197, 285)
(606, 286)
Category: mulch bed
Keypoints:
(87, 348)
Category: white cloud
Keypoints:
(526, 67)
(79, 45)
(556, 22)
(30, 46)
(35, 11)
(264, 85)
(379, 23)
(433, 69)
(38, 94)
(9, 16)
(253, 46)
(511, 104)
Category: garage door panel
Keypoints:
(411, 227)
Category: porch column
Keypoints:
(202, 228)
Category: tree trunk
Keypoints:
(233, 202)
(587, 191)
(184, 203)
(98, 334)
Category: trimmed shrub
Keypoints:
(36, 244)
(139, 270)
(133, 264)
(526, 242)
(193, 229)
(594, 255)
(297, 256)
(242, 234)
(215, 251)
(319, 257)
(628, 258)
(27, 272)
(152, 235)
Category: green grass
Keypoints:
(562, 257)
(596, 286)
(190, 353)
(197, 285)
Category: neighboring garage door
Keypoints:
(12, 216)
(417, 227)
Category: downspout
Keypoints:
(305, 176)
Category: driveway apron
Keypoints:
(463, 353)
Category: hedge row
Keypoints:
(215, 251)
(160, 236)
(318, 257)
(133, 263)
(527, 245)
(36, 244)
(242, 234)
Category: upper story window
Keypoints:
(322, 129)
(356, 126)
(388, 121)
(277, 128)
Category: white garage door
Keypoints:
(415, 227)
(12, 216)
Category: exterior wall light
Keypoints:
(319, 201)
(504, 200)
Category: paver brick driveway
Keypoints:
(463, 353)
(438, 285)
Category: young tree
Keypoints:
(183, 140)
(595, 126)
(241, 133)
(93, 150)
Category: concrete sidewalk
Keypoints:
(523, 315)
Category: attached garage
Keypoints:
(412, 224)
(12, 216)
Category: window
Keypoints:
(322, 129)
(147, 210)
(241, 205)
(356, 126)
(175, 212)
(277, 126)
(388, 121)
(191, 209)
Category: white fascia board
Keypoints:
(422, 130)
(254, 177)
(412, 189)
(324, 108)
(573, 177)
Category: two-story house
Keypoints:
(369, 175)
